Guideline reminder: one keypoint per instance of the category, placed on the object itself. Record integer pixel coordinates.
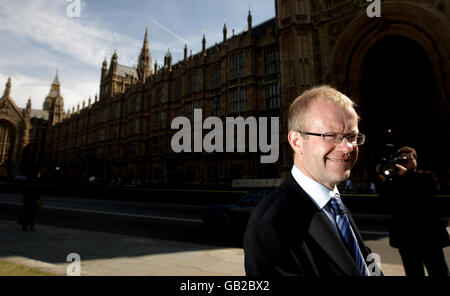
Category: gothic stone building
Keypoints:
(14, 132)
(396, 67)
(125, 133)
(23, 131)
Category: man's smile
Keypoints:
(346, 159)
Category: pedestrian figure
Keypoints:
(31, 200)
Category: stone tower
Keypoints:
(54, 103)
(144, 62)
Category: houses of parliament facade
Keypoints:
(396, 63)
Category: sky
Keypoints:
(73, 37)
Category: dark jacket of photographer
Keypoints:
(415, 220)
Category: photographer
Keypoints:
(415, 228)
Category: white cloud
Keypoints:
(46, 23)
(23, 87)
(42, 39)
(79, 92)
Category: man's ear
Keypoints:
(295, 140)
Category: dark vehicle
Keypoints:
(231, 219)
(21, 179)
(95, 180)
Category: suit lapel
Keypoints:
(323, 233)
(321, 230)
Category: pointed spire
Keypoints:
(144, 60)
(185, 52)
(28, 108)
(145, 45)
(249, 21)
(8, 87)
(168, 61)
(224, 32)
(56, 80)
(114, 63)
(104, 68)
(204, 45)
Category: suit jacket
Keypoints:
(415, 221)
(288, 235)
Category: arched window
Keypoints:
(6, 141)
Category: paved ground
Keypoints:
(106, 254)
(113, 254)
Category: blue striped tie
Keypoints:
(346, 234)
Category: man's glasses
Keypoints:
(336, 138)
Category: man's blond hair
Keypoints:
(298, 111)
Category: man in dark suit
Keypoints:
(302, 227)
(416, 228)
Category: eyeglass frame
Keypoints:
(342, 136)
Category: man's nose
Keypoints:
(345, 145)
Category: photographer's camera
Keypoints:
(387, 164)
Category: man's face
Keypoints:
(411, 165)
(328, 163)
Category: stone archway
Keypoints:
(423, 26)
(405, 31)
(399, 102)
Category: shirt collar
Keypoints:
(320, 194)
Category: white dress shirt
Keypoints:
(318, 193)
(321, 196)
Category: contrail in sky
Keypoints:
(170, 32)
